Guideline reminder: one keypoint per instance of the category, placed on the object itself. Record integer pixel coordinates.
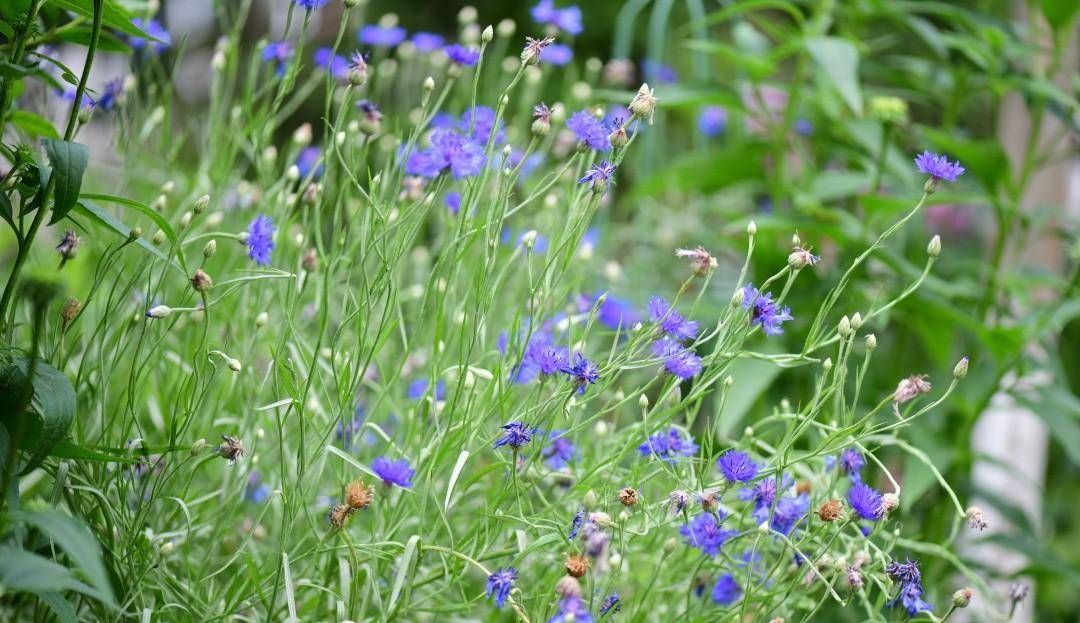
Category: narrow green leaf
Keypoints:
(108, 221)
(34, 125)
(77, 541)
(61, 607)
(403, 572)
(141, 208)
(7, 212)
(68, 161)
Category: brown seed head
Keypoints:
(339, 515)
(201, 281)
(629, 496)
(231, 448)
(358, 495)
(71, 308)
(576, 565)
(831, 510)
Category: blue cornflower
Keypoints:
(260, 239)
(449, 151)
(866, 501)
(762, 495)
(347, 431)
(393, 472)
(529, 369)
(737, 466)
(576, 523)
(153, 28)
(656, 71)
(589, 130)
(726, 591)
(614, 313)
(419, 387)
(572, 609)
(850, 462)
(557, 54)
(560, 451)
(705, 533)
(427, 41)
(453, 202)
(582, 372)
(109, 97)
(462, 55)
(279, 53)
(550, 359)
(381, 37)
(482, 120)
(335, 64)
(938, 167)
(311, 5)
(599, 176)
(789, 511)
(911, 590)
(671, 322)
(677, 359)
(567, 19)
(764, 311)
(712, 120)
(255, 491)
(669, 446)
(611, 603)
(308, 162)
(500, 583)
(517, 434)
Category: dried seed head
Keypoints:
(975, 518)
(629, 496)
(530, 55)
(889, 503)
(644, 103)
(577, 565)
(201, 282)
(709, 501)
(854, 578)
(231, 448)
(830, 510)
(801, 257)
(911, 388)
(358, 495)
(803, 486)
(69, 245)
(701, 261)
(568, 586)
(1018, 592)
(339, 515)
(70, 309)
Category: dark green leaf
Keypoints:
(52, 402)
(77, 541)
(141, 208)
(113, 15)
(7, 212)
(32, 124)
(67, 449)
(68, 160)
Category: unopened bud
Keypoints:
(590, 499)
(934, 248)
(198, 446)
(311, 260)
(961, 369)
(160, 203)
(234, 364)
(185, 220)
(751, 228)
(210, 249)
(262, 319)
(158, 238)
(643, 401)
(962, 598)
(844, 328)
(159, 311)
(738, 297)
(302, 135)
(201, 204)
(70, 309)
(201, 281)
(827, 364)
(487, 35)
(871, 342)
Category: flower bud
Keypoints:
(590, 499)
(751, 228)
(302, 135)
(311, 260)
(201, 204)
(158, 238)
(889, 503)
(185, 219)
(198, 446)
(210, 249)
(643, 401)
(975, 519)
(160, 203)
(201, 281)
(618, 137)
(644, 103)
(134, 234)
(961, 369)
(670, 545)
(871, 342)
(934, 248)
(844, 328)
(738, 297)
(158, 311)
(262, 319)
(962, 598)
(568, 586)
(70, 310)
(856, 321)
(487, 35)
(827, 364)
(234, 364)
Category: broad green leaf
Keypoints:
(52, 403)
(32, 124)
(1060, 13)
(77, 542)
(113, 15)
(22, 571)
(104, 219)
(839, 62)
(68, 161)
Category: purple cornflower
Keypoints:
(762, 495)
(712, 120)
(726, 591)
(557, 54)
(255, 491)
(803, 127)
(656, 71)
(500, 583)
(279, 53)
(311, 5)
(347, 431)
(669, 446)
(393, 472)
(453, 201)
(705, 533)
(381, 37)
(153, 28)
(567, 19)
(572, 609)
(678, 360)
(419, 387)
(866, 501)
(448, 151)
(462, 55)
(517, 434)
(614, 313)
(550, 360)
(427, 41)
(589, 130)
(110, 95)
(560, 451)
(599, 176)
(671, 322)
(911, 590)
(308, 162)
(611, 603)
(482, 121)
(576, 523)
(582, 372)
(335, 64)
(850, 462)
(737, 466)
(764, 312)
(938, 167)
(260, 239)
(789, 512)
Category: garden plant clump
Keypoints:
(405, 326)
